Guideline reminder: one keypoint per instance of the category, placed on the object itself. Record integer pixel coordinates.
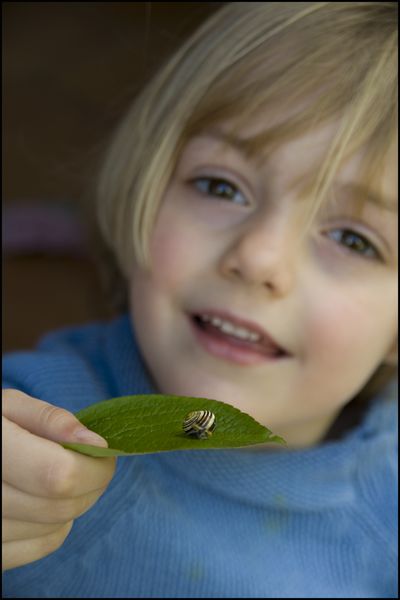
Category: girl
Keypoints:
(248, 198)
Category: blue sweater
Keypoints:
(313, 523)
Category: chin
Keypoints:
(222, 391)
(199, 386)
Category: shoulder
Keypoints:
(69, 367)
(377, 472)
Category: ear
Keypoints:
(391, 358)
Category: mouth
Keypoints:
(234, 339)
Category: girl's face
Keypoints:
(241, 308)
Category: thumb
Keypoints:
(46, 420)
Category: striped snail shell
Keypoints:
(199, 423)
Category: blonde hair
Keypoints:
(251, 57)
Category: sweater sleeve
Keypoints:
(377, 484)
(65, 369)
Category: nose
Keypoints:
(265, 254)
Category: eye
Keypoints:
(221, 188)
(355, 242)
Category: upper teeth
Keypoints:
(228, 327)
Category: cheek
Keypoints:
(175, 250)
(352, 327)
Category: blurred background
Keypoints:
(70, 71)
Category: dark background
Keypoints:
(70, 70)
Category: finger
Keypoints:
(22, 552)
(13, 530)
(45, 420)
(23, 507)
(44, 468)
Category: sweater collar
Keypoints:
(320, 477)
(323, 476)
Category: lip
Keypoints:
(230, 348)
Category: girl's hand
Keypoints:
(45, 486)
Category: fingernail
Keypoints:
(85, 436)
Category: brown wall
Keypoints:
(70, 69)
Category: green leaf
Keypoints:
(153, 423)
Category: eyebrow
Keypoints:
(372, 196)
(240, 144)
